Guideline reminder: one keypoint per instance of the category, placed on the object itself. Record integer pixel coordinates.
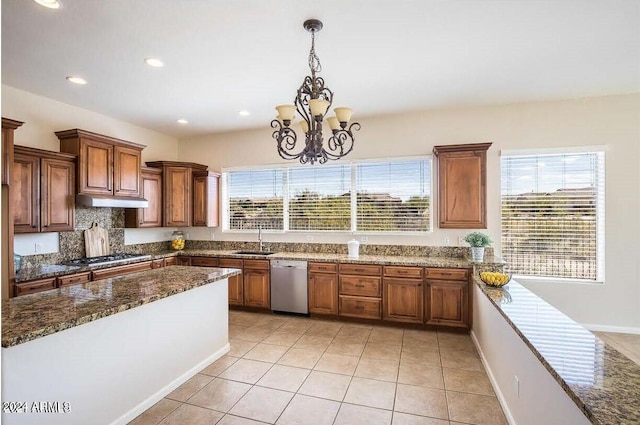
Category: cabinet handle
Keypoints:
(359, 307)
(359, 270)
(359, 285)
(445, 273)
(402, 272)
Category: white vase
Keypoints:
(477, 253)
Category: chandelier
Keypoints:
(312, 103)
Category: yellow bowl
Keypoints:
(496, 285)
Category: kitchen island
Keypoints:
(104, 351)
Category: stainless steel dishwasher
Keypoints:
(289, 286)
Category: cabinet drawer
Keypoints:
(74, 279)
(323, 267)
(204, 261)
(367, 269)
(401, 271)
(232, 263)
(183, 261)
(446, 274)
(34, 286)
(121, 270)
(256, 264)
(370, 308)
(170, 261)
(157, 264)
(365, 286)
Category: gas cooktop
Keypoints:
(106, 259)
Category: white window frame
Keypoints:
(354, 206)
(600, 212)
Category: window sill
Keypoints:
(525, 279)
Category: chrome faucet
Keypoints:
(260, 245)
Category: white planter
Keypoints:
(477, 253)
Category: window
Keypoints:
(319, 198)
(553, 214)
(394, 196)
(254, 199)
(389, 196)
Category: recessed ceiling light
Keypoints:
(244, 113)
(156, 63)
(76, 80)
(183, 121)
(51, 4)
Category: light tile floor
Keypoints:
(627, 344)
(297, 371)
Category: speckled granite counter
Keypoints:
(33, 316)
(44, 271)
(603, 383)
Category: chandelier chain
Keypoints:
(314, 60)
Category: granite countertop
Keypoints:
(53, 270)
(33, 316)
(603, 383)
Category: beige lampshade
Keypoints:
(286, 112)
(318, 106)
(343, 114)
(334, 124)
(304, 126)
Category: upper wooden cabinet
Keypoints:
(106, 166)
(42, 191)
(152, 192)
(177, 191)
(462, 185)
(205, 199)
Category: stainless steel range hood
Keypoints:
(111, 201)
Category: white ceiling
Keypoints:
(379, 56)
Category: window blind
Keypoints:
(394, 196)
(319, 198)
(553, 214)
(255, 199)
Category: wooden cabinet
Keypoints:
(106, 166)
(74, 279)
(157, 263)
(360, 291)
(183, 261)
(33, 286)
(120, 270)
(205, 199)
(323, 288)
(403, 298)
(177, 191)
(170, 261)
(151, 187)
(236, 283)
(462, 185)
(204, 261)
(42, 190)
(447, 298)
(257, 288)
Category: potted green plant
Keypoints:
(478, 241)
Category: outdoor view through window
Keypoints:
(553, 214)
(390, 196)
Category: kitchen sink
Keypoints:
(265, 253)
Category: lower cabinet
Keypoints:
(170, 261)
(360, 291)
(120, 270)
(204, 261)
(323, 288)
(447, 303)
(403, 300)
(183, 261)
(31, 287)
(236, 283)
(257, 288)
(74, 279)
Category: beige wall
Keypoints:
(43, 116)
(611, 121)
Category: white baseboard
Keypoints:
(494, 383)
(159, 395)
(616, 329)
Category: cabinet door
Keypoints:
(74, 279)
(323, 293)
(256, 288)
(447, 303)
(403, 300)
(127, 162)
(24, 288)
(204, 261)
(96, 168)
(152, 192)
(177, 196)
(183, 261)
(57, 204)
(205, 199)
(25, 193)
(170, 261)
(120, 270)
(236, 285)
